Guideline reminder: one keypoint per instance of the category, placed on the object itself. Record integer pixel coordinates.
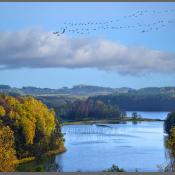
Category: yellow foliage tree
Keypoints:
(28, 130)
(171, 140)
(7, 151)
(31, 115)
(35, 126)
(2, 111)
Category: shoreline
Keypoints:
(32, 158)
(110, 121)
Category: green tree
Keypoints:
(135, 116)
(114, 168)
(169, 122)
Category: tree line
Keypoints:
(139, 101)
(107, 106)
(88, 109)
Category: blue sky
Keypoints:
(48, 17)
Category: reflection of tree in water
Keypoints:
(51, 165)
(136, 122)
(48, 164)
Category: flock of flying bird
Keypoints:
(91, 26)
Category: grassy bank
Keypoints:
(24, 160)
(110, 121)
(49, 153)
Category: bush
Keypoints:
(114, 168)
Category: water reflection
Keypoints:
(48, 164)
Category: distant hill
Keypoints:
(85, 90)
(157, 90)
(81, 90)
(128, 99)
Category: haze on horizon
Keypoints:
(30, 55)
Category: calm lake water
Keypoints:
(95, 148)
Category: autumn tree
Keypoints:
(35, 126)
(7, 151)
(2, 111)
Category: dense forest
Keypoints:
(68, 108)
(89, 109)
(111, 106)
(139, 101)
(27, 128)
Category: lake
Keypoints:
(95, 148)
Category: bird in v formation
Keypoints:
(88, 27)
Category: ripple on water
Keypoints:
(88, 142)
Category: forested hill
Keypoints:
(140, 101)
(72, 107)
(127, 99)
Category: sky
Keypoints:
(136, 57)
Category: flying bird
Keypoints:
(58, 33)
(93, 26)
(63, 31)
(55, 33)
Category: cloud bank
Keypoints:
(40, 49)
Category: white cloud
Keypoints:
(39, 49)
